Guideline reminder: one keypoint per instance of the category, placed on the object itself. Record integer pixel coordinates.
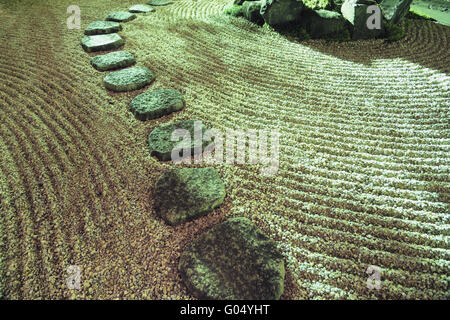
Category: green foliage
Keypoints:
(417, 15)
(235, 11)
(318, 4)
(394, 32)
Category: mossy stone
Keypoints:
(161, 144)
(121, 16)
(141, 8)
(188, 193)
(281, 12)
(234, 260)
(128, 79)
(102, 42)
(159, 2)
(102, 27)
(156, 103)
(113, 60)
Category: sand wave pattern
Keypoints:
(364, 154)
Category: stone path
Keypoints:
(141, 8)
(156, 103)
(247, 264)
(233, 260)
(102, 27)
(161, 144)
(121, 16)
(128, 79)
(113, 60)
(188, 193)
(159, 2)
(102, 42)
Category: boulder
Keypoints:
(394, 10)
(102, 42)
(156, 103)
(141, 8)
(121, 16)
(252, 10)
(113, 60)
(161, 144)
(102, 27)
(355, 11)
(188, 193)
(323, 23)
(234, 260)
(281, 12)
(128, 79)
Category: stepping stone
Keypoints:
(188, 193)
(159, 2)
(161, 144)
(113, 60)
(141, 8)
(234, 260)
(128, 79)
(102, 27)
(102, 42)
(156, 103)
(121, 16)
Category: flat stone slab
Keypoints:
(121, 16)
(128, 79)
(156, 103)
(113, 60)
(102, 27)
(102, 42)
(141, 8)
(188, 193)
(234, 260)
(161, 144)
(159, 2)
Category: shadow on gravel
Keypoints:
(425, 43)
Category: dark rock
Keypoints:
(102, 27)
(234, 260)
(188, 193)
(161, 144)
(281, 12)
(323, 23)
(128, 79)
(156, 103)
(252, 10)
(113, 60)
(102, 42)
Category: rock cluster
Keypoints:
(355, 19)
